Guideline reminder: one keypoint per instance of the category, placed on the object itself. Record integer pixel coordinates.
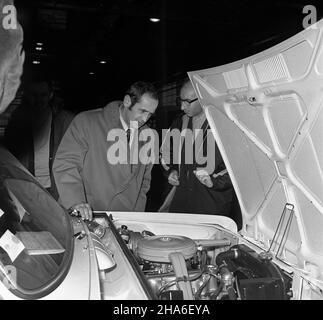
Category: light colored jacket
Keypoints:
(82, 171)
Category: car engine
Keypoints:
(179, 268)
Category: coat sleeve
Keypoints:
(68, 163)
(214, 163)
(166, 152)
(141, 201)
(220, 182)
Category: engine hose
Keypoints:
(231, 254)
(199, 275)
(194, 278)
(165, 286)
(204, 270)
(171, 283)
(232, 294)
(203, 259)
(215, 294)
(199, 291)
(203, 285)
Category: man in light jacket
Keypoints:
(85, 177)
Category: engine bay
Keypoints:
(177, 267)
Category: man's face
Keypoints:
(188, 94)
(38, 96)
(140, 111)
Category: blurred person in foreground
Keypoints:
(35, 131)
(11, 55)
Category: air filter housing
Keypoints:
(158, 248)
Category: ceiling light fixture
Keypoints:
(91, 73)
(103, 62)
(39, 43)
(154, 19)
(39, 48)
(36, 62)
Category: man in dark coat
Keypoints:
(197, 190)
(35, 130)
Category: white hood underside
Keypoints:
(266, 114)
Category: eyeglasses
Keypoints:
(187, 102)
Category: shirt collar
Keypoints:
(124, 124)
(199, 120)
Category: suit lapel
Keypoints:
(127, 171)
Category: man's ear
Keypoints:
(127, 101)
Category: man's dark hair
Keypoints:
(139, 88)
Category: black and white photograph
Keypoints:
(161, 151)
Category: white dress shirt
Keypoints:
(41, 152)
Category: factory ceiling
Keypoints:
(97, 48)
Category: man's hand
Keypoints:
(173, 178)
(222, 183)
(204, 178)
(82, 209)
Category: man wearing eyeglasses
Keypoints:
(195, 190)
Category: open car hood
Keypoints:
(266, 114)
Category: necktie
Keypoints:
(128, 136)
(183, 165)
(189, 127)
(129, 151)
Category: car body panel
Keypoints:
(266, 114)
(82, 278)
(82, 281)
